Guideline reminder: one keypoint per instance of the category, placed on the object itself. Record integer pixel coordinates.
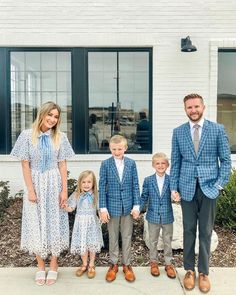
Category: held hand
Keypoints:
(175, 196)
(135, 214)
(32, 196)
(66, 207)
(63, 198)
(104, 216)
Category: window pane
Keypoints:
(226, 97)
(118, 99)
(38, 77)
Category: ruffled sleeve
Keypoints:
(72, 200)
(21, 147)
(65, 150)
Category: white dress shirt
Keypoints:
(160, 182)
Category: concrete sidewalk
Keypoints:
(20, 281)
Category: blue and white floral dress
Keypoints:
(87, 233)
(45, 227)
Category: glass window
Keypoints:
(226, 96)
(37, 77)
(118, 93)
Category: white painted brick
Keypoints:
(156, 23)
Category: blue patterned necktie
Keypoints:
(46, 151)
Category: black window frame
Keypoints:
(79, 87)
(224, 50)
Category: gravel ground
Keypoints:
(12, 256)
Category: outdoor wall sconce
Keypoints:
(186, 45)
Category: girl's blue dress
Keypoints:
(87, 233)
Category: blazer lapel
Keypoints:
(165, 186)
(189, 138)
(154, 183)
(113, 166)
(126, 167)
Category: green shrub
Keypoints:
(226, 204)
(4, 197)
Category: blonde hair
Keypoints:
(118, 139)
(83, 175)
(160, 156)
(45, 109)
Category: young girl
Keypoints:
(43, 151)
(87, 233)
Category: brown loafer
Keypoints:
(81, 270)
(111, 273)
(91, 272)
(154, 269)
(129, 274)
(189, 280)
(170, 271)
(204, 283)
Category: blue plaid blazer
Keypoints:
(211, 166)
(117, 196)
(159, 207)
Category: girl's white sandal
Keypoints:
(40, 277)
(51, 277)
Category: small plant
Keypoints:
(4, 197)
(226, 204)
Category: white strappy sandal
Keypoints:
(51, 277)
(40, 277)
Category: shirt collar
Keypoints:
(200, 123)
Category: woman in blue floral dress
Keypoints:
(43, 151)
(87, 234)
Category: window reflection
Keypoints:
(37, 77)
(119, 99)
(226, 97)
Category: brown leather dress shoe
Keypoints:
(204, 283)
(170, 271)
(189, 280)
(111, 273)
(129, 274)
(154, 269)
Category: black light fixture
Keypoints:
(186, 45)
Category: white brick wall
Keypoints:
(156, 23)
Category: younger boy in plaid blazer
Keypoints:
(157, 195)
(119, 199)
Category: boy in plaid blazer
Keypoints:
(119, 199)
(157, 195)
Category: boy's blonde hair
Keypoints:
(45, 109)
(83, 175)
(118, 139)
(160, 156)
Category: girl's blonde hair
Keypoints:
(45, 109)
(83, 175)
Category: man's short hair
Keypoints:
(192, 96)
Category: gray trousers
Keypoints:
(200, 210)
(124, 225)
(167, 234)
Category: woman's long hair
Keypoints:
(83, 175)
(45, 109)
